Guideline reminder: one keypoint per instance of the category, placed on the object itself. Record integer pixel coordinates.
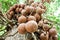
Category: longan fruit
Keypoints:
(17, 16)
(40, 23)
(20, 9)
(50, 38)
(34, 4)
(22, 19)
(17, 10)
(11, 13)
(23, 12)
(31, 26)
(37, 16)
(43, 1)
(28, 9)
(21, 28)
(46, 27)
(22, 5)
(48, 1)
(33, 9)
(52, 32)
(39, 10)
(55, 37)
(41, 5)
(31, 18)
(44, 36)
(31, 1)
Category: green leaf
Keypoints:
(2, 32)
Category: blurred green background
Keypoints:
(52, 13)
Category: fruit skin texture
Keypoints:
(52, 32)
(55, 37)
(17, 10)
(44, 36)
(37, 16)
(33, 9)
(31, 1)
(40, 24)
(21, 28)
(20, 9)
(43, 1)
(46, 27)
(11, 13)
(28, 9)
(22, 19)
(23, 12)
(31, 18)
(22, 5)
(31, 26)
(40, 11)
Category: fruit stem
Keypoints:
(34, 36)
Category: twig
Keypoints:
(34, 36)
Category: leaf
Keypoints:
(2, 32)
(58, 36)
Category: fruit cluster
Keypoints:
(29, 19)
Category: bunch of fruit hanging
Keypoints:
(29, 20)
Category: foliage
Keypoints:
(6, 4)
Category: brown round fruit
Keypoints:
(48, 1)
(37, 16)
(31, 26)
(17, 10)
(28, 9)
(23, 12)
(55, 37)
(44, 36)
(34, 4)
(22, 19)
(11, 13)
(33, 9)
(41, 5)
(31, 18)
(20, 9)
(40, 24)
(50, 38)
(31, 1)
(22, 5)
(21, 28)
(52, 32)
(43, 1)
(39, 10)
(46, 27)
